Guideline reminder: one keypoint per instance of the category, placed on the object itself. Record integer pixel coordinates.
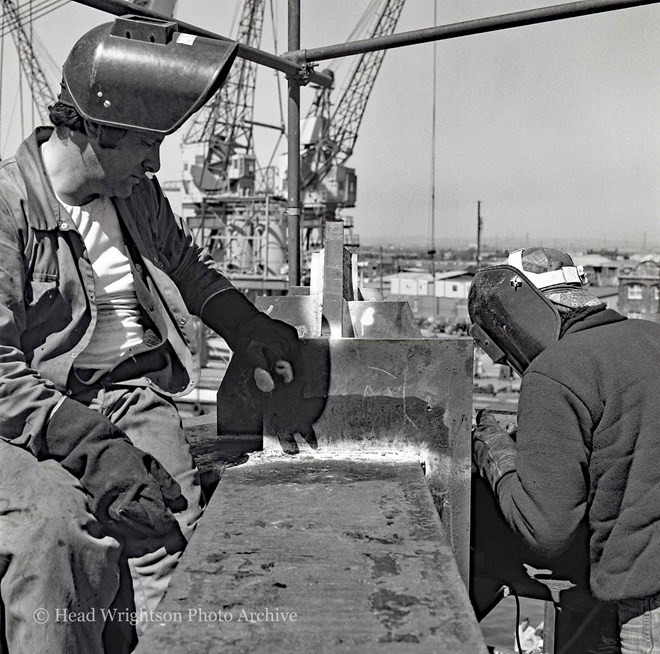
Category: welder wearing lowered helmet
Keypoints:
(588, 438)
(98, 283)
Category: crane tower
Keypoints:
(229, 204)
(237, 210)
(328, 137)
(40, 89)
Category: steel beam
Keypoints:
(354, 396)
(467, 28)
(348, 555)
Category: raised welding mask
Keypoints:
(513, 307)
(142, 73)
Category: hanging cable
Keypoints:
(47, 9)
(20, 17)
(515, 596)
(2, 71)
(42, 9)
(431, 234)
(45, 56)
(32, 73)
(277, 75)
(20, 97)
(357, 32)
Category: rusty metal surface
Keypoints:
(353, 547)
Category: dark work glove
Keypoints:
(289, 410)
(132, 495)
(493, 450)
(270, 347)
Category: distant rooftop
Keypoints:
(595, 261)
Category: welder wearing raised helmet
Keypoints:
(98, 283)
(588, 441)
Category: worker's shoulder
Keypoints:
(619, 345)
(618, 336)
(641, 325)
(12, 184)
(10, 171)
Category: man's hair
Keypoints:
(64, 115)
(569, 317)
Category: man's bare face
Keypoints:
(122, 167)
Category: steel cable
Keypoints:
(39, 10)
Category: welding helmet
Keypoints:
(513, 307)
(142, 73)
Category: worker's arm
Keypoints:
(191, 267)
(26, 398)
(130, 493)
(544, 495)
(270, 347)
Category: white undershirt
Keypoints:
(118, 326)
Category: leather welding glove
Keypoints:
(493, 450)
(271, 347)
(132, 495)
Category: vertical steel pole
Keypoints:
(293, 120)
(480, 225)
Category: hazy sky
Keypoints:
(555, 128)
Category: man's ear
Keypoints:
(91, 128)
(105, 136)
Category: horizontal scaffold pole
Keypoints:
(466, 28)
(286, 65)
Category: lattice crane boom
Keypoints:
(224, 126)
(41, 91)
(347, 118)
(341, 127)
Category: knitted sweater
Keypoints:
(589, 446)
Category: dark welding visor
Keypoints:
(513, 322)
(142, 73)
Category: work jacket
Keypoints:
(47, 294)
(588, 446)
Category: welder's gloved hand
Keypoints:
(271, 347)
(132, 495)
(493, 450)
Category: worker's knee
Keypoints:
(43, 505)
(53, 556)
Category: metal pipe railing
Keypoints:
(287, 65)
(466, 28)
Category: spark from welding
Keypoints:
(381, 370)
